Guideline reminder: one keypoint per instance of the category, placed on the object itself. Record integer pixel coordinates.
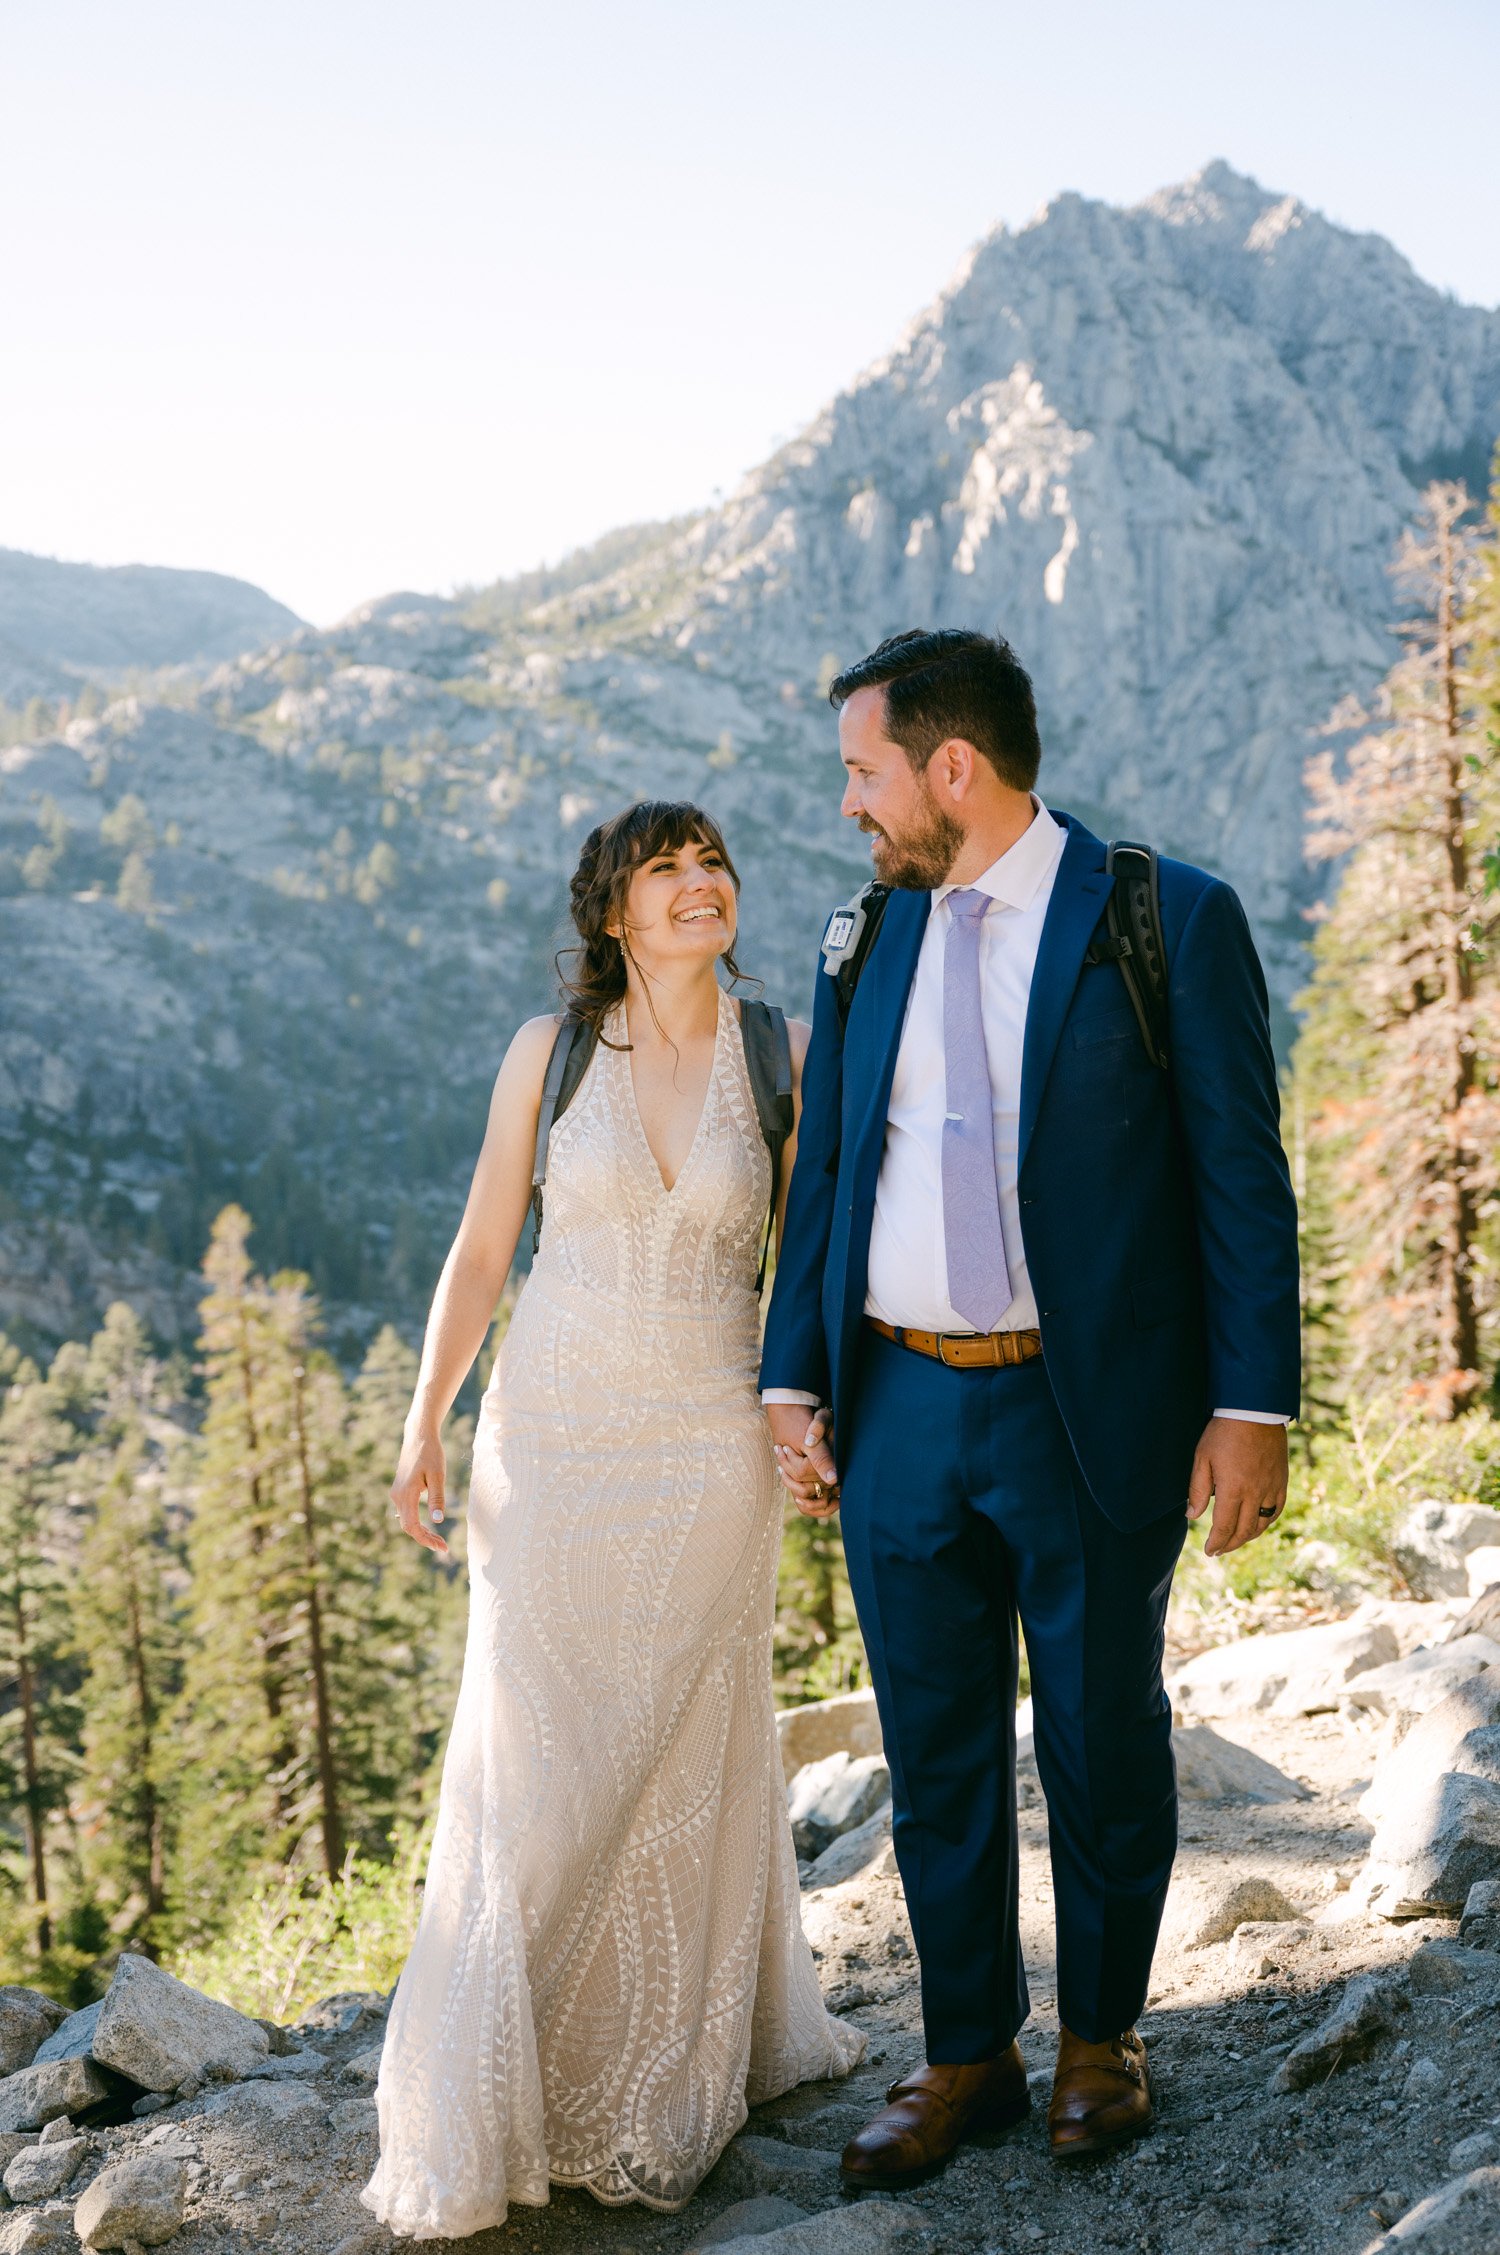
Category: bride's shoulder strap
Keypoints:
(571, 1052)
(768, 1060)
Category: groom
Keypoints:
(1048, 1292)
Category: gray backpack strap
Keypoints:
(571, 1052)
(768, 1059)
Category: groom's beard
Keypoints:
(923, 854)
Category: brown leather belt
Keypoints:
(964, 1350)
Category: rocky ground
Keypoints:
(1323, 2072)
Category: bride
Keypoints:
(610, 1961)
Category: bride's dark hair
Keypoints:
(594, 978)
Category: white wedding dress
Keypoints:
(610, 1961)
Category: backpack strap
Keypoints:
(768, 1060)
(571, 1052)
(850, 934)
(1135, 941)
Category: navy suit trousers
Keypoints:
(964, 1508)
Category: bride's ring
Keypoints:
(818, 1491)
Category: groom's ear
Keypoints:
(954, 766)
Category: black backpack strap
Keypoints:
(768, 1060)
(1133, 921)
(569, 1061)
(851, 933)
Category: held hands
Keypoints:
(423, 1469)
(803, 1457)
(1243, 1467)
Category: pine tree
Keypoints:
(38, 1682)
(127, 1628)
(1402, 1035)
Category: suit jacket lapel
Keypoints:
(887, 977)
(1079, 892)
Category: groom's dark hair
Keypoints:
(952, 681)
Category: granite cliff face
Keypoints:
(269, 928)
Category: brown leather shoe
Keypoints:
(1101, 2095)
(930, 2112)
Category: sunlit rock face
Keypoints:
(1167, 451)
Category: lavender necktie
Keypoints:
(978, 1279)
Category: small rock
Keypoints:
(828, 1798)
(1461, 1733)
(1246, 1900)
(1480, 2151)
(1436, 1970)
(38, 2231)
(1211, 1768)
(1263, 1944)
(57, 2131)
(35, 2096)
(1462, 2219)
(752, 2165)
(27, 2019)
(143, 2198)
(1482, 1618)
(257, 2105)
(1424, 2081)
(745, 2219)
(364, 2067)
(41, 2171)
(151, 2102)
(347, 2013)
(1356, 2025)
(355, 2117)
(157, 2031)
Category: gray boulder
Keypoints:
(866, 1848)
(847, 1724)
(867, 2228)
(1295, 1672)
(1461, 1733)
(260, 2106)
(1358, 2023)
(751, 2166)
(74, 2037)
(831, 1797)
(1433, 1541)
(744, 2220)
(1482, 1618)
(1421, 1681)
(1211, 1768)
(1427, 1853)
(1479, 1923)
(142, 2199)
(1252, 1900)
(1462, 2219)
(159, 2032)
(35, 2096)
(27, 2018)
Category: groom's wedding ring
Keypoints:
(1268, 1511)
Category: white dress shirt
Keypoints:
(907, 1277)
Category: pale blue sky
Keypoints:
(344, 296)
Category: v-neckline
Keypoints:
(669, 1189)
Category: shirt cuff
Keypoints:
(788, 1394)
(1254, 1416)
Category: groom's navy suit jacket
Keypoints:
(1156, 1209)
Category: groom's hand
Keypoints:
(1243, 1467)
(803, 1457)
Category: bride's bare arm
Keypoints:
(799, 1033)
(473, 1276)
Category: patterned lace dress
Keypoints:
(610, 1961)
